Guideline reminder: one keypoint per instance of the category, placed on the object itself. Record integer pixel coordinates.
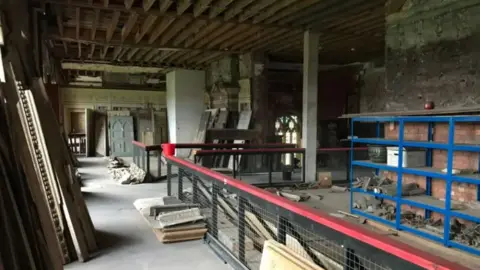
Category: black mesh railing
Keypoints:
(241, 218)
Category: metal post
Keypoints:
(350, 263)
(159, 163)
(134, 154)
(147, 171)
(234, 173)
(398, 198)
(241, 229)
(213, 226)
(169, 179)
(429, 163)
(180, 184)
(269, 158)
(195, 189)
(303, 167)
(448, 184)
(350, 166)
(281, 230)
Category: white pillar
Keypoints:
(185, 104)
(310, 100)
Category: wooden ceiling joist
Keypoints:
(132, 44)
(147, 4)
(92, 51)
(200, 7)
(110, 68)
(116, 52)
(113, 25)
(95, 23)
(255, 9)
(187, 33)
(146, 26)
(229, 16)
(159, 29)
(129, 3)
(218, 8)
(127, 27)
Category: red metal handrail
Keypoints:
(277, 150)
(406, 252)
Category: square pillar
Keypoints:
(310, 102)
(185, 105)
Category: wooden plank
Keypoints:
(73, 199)
(68, 206)
(41, 205)
(276, 256)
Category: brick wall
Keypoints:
(464, 133)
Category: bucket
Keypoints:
(168, 149)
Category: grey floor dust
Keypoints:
(126, 241)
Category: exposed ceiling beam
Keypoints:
(128, 26)
(236, 8)
(218, 8)
(147, 24)
(113, 25)
(255, 9)
(92, 51)
(165, 22)
(128, 3)
(147, 4)
(133, 44)
(104, 52)
(116, 52)
(164, 5)
(229, 17)
(183, 5)
(109, 68)
(200, 7)
(95, 23)
(77, 21)
(132, 52)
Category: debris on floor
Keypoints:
(171, 219)
(465, 234)
(123, 174)
(294, 197)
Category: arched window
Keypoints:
(288, 128)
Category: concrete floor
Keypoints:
(125, 240)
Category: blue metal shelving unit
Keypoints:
(430, 204)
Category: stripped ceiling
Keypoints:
(192, 33)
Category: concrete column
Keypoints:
(310, 100)
(185, 104)
(259, 93)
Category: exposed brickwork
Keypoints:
(464, 133)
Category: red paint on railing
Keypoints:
(408, 253)
(277, 150)
(139, 144)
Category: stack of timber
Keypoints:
(171, 219)
(21, 248)
(48, 168)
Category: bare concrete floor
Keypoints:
(125, 240)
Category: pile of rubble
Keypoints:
(123, 174)
(465, 234)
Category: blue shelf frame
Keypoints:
(429, 173)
